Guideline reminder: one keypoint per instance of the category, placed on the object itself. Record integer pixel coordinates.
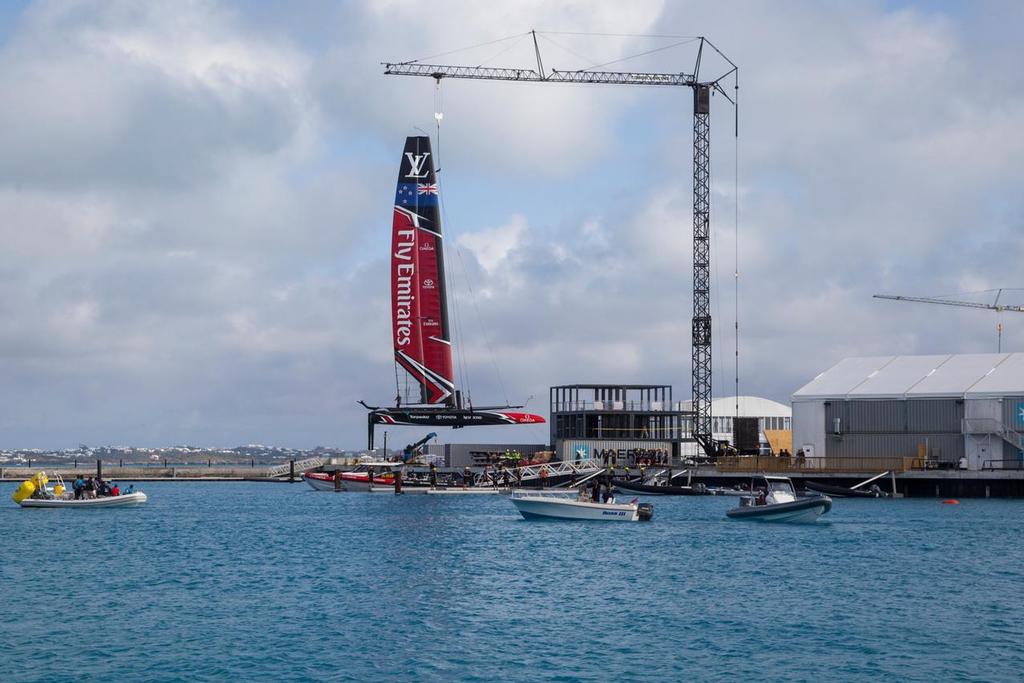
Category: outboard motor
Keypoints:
(645, 511)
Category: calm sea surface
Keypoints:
(241, 581)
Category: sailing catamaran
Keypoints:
(419, 311)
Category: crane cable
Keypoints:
(460, 346)
(460, 353)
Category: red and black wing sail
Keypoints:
(419, 307)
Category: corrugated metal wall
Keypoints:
(894, 416)
(895, 428)
(943, 447)
(941, 416)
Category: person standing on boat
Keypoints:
(433, 475)
(543, 476)
(506, 480)
(115, 490)
(467, 477)
(78, 486)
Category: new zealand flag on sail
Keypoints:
(411, 195)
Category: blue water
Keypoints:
(249, 581)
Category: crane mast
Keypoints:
(701, 320)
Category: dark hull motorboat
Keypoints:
(802, 510)
(843, 492)
(634, 486)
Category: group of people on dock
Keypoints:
(91, 487)
(633, 457)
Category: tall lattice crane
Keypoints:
(994, 306)
(702, 89)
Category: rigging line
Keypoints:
(456, 313)
(398, 384)
(736, 255)
(716, 304)
(460, 347)
(586, 59)
(616, 35)
(642, 54)
(460, 354)
(470, 47)
(972, 293)
(483, 330)
(503, 51)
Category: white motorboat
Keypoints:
(575, 505)
(777, 502)
(36, 493)
(127, 500)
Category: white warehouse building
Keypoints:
(956, 410)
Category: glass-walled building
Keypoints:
(620, 423)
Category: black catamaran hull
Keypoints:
(447, 417)
(450, 417)
(841, 491)
(636, 487)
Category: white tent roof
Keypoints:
(750, 406)
(960, 375)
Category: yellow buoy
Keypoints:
(24, 491)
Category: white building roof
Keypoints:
(750, 406)
(959, 375)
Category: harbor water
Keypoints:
(251, 581)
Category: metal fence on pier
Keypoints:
(767, 463)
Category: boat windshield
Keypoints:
(783, 486)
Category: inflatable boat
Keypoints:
(777, 502)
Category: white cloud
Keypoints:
(195, 201)
(492, 246)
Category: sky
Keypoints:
(196, 204)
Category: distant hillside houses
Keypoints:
(171, 454)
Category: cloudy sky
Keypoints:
(196, 203)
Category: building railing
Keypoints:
(768, 463)
(624, 433)
(617, 406)
(1013, 464)
(987, 425)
